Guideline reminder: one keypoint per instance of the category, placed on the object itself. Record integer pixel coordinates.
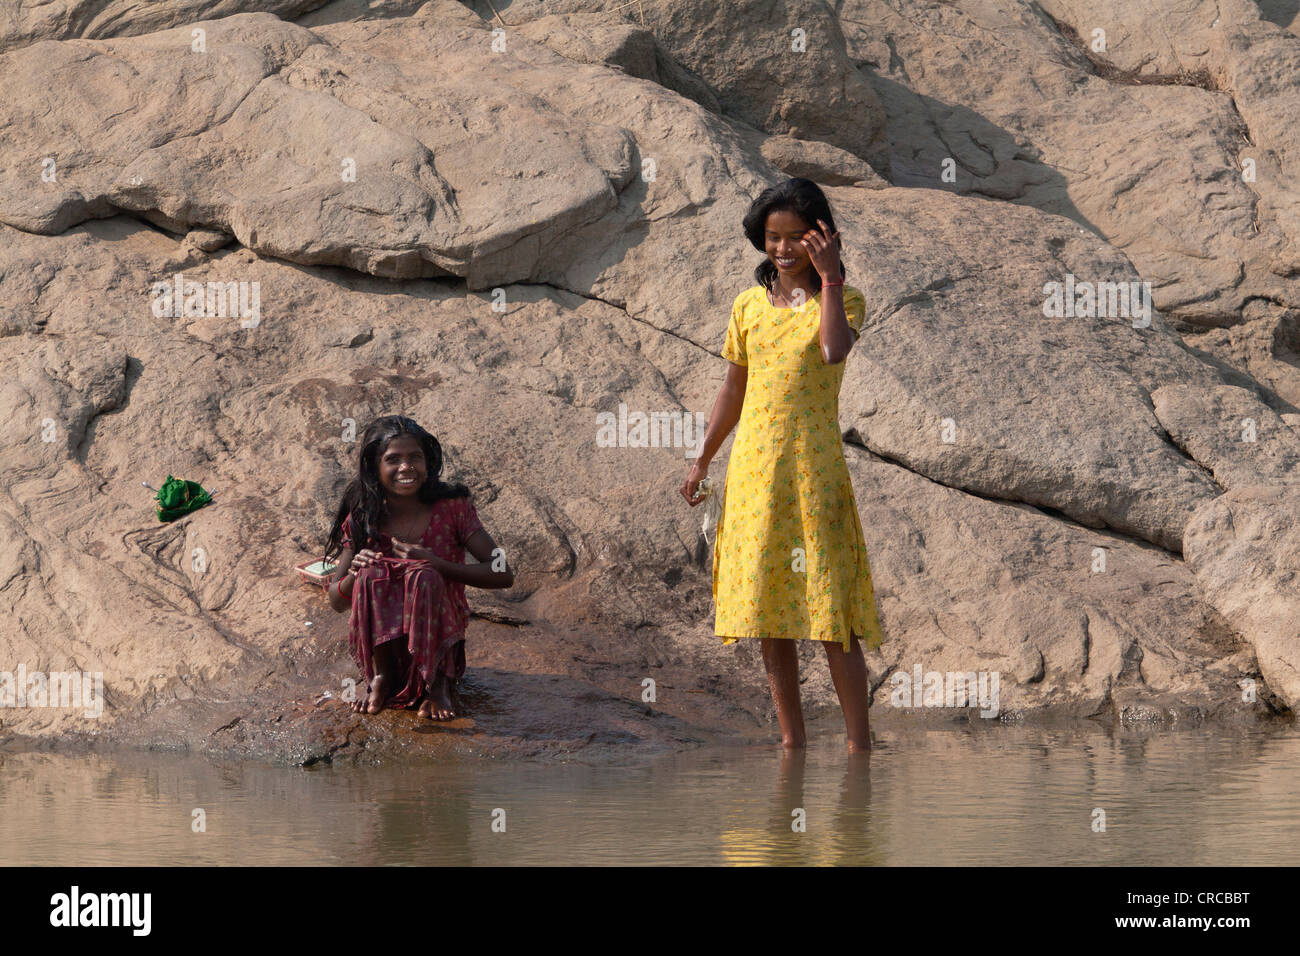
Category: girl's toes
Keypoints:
(426, 709)
(442, 706)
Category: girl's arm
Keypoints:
(725, 414)
(824, 250)
(340, 587)
(480, 575)
(836, 333)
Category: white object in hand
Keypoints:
(712, 506)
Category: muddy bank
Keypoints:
(537, 692)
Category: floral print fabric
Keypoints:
(790, 560)
(399, 599)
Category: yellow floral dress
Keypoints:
(790, 560)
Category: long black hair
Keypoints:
(364, 497)
(800, 196)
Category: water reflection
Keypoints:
(1001, 795)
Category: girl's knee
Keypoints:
(834, 649)
(426, 577)
(778, 649)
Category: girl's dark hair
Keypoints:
(364, 497)
(800, 196)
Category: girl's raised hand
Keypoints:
(824, 251)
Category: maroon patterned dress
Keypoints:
(405, 600)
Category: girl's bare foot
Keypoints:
(437, 703)
(376, 696)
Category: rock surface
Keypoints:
(506, 242)
(24, 23)
(1144, 142)
(1244, 548)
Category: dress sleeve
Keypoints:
(467, 522)
(855, 310)
(733, 350)
(346, 533)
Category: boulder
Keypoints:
(1244, 548)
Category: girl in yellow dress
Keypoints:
(790, 561)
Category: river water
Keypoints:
(1002, 795)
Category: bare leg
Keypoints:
(783, 677)
(381, 685)
(849, 675)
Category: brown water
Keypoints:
(1002, 795)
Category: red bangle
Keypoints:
(825, 284)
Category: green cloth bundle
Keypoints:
(177, 498)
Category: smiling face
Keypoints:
(402, 467)
(781, 235)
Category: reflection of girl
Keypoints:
(790, 560)
(406, 583)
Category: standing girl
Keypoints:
(403, 533)
(790, 561)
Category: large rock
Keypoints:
(782, 68)
(312, 155)
(1264, 346)
(22, 23)
(1021, 108)
(1230, 432)
(1230, 49)
(602, 38)
(1073, 620)
(961, 375)
(1244, 548)
(1009, 450)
